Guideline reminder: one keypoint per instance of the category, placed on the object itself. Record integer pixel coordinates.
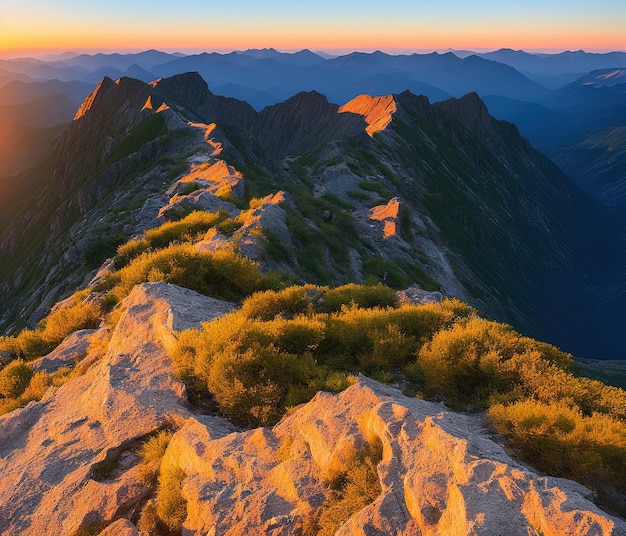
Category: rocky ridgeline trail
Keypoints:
(212, 185)
(70, 462)
(67, 461)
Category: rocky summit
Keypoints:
(70, 462)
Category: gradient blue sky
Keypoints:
(393, 25)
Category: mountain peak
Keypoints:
(377, 111)
(470, 110)
(308, 97)
(121, 89)
(87, 104)
(184, 81)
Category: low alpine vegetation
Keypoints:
(223, 274)
(189, 229)
(284, 346)
(72, 315)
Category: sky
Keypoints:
(36, 26)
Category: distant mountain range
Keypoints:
(553, 70)
(579, 126)
(521, 87)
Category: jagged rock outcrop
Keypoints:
(377, 111)
(266, 218)
(72, 349)
(204, 187)
(439, 474)
(217, 177)
(68, 460)
(387, 216)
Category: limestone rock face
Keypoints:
(67, 461)
(439, 474)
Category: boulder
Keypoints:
(213, 241)
(68, 461)
(122, 527)
(202, 199)
(439, 473)
(73, 348)
(416, 295)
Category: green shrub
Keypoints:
(37, 387)
(229, 225)
(560, 440)
(188, 229)
(151, 454)
(74, 315)
(367, 296)
(475, 360)
(130, 250)
(255, 386)
(14, 379)
(28, 344)
(223, 274)
(286, 303)
(171, 507)
(7, 405)
(301, 299)
(351, 491)
(66, 320)
(150, 523)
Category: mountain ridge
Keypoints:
(273, 145)
(156, 417)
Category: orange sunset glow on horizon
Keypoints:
(36, 27)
